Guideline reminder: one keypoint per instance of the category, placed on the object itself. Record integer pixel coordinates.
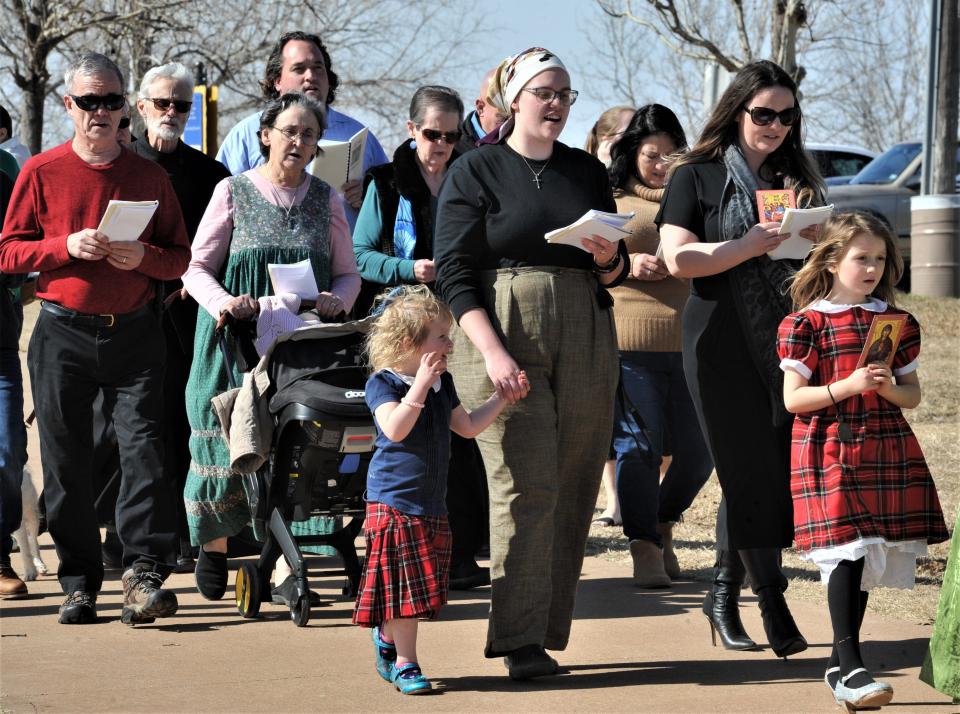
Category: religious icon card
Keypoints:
(882, 340)
(772, 204)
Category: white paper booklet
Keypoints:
(606, 225)
(340, 161)
(794, 221)
(126, 220)
(294, 278)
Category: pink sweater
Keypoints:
(212, 244)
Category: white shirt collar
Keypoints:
(408, 380)
(872, 305)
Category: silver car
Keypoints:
(884, 188)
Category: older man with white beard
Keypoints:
(164, 102)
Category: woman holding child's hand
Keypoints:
(521, 302)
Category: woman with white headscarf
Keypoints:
(525, 304)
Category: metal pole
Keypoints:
(933, 62)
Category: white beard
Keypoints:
(163, 131)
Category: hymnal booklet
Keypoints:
(295, 278)
(340, 161)
(882, 340)
(609, 226)
(126, 220)
(794, 221)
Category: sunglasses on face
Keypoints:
(451, 137)
(762, 116)
(92, 102)
(181, 106)
(124, 123)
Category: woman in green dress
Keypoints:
(275, 213)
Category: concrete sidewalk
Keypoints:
(631, 650)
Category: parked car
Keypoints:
(838, 162)
(884, 188)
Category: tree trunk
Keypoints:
(788, 17)
(31, 118)
(948, 96)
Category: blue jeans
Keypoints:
(654, 383)
(13, 447)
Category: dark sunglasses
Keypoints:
(124, 123)
(182, 106)
(451, 137)
(762, 116)
(92, 102)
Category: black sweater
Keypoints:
(492, 215)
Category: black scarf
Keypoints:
(760, 285)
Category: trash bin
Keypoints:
(935, 245)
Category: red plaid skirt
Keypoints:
(407, 566)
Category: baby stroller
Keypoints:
(323, 438)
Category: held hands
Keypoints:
(603, 251)
(644, 266)
(870, 378)
(811, 233)
(508, 379)
(762, 238)
(425, 271)
(329, 305)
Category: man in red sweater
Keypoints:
(99, 328)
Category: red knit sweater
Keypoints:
(56, 194)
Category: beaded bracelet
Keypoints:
(411, 403)
(609, 267)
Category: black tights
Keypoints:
(847, 603)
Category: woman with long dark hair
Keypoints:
(711, 235)
(646, 309)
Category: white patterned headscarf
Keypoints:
(514, 73)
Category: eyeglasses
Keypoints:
(92, 102)
(181, 106)
(451, 137)
(545, 95)
(762, 116)
(124, 123)
(307, 138)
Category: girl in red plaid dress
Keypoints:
(864, 503)
(415, 406)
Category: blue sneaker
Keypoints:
(386, 655)
(408, 679)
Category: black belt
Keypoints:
(102, 320)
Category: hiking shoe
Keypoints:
(144, 598)
(11, 586)
(80, 608)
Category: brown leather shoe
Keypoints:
(670, 563)
(11, 586)
(144, 598)
(648, 569)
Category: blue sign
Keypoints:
(193, 134)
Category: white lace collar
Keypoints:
(872, 305)
(408, 380)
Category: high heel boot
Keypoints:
(721, 605)
(768, 583)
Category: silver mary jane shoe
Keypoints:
(875, 694)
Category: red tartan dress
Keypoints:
(876, 491)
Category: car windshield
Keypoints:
(889, 165)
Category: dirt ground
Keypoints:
(936, 423)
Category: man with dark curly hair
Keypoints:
(300, 62)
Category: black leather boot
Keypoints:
(768, 583)
(721, 605)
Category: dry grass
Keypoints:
(936, 423)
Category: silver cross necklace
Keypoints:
(536, 174)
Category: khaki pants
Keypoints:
(543, 456)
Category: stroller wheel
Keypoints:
(248, 590)
(300, 611)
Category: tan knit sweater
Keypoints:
(647, 312)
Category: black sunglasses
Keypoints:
(182, 106)
(451, 137)
(762, 116)
(92, 102)
(124, 123)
